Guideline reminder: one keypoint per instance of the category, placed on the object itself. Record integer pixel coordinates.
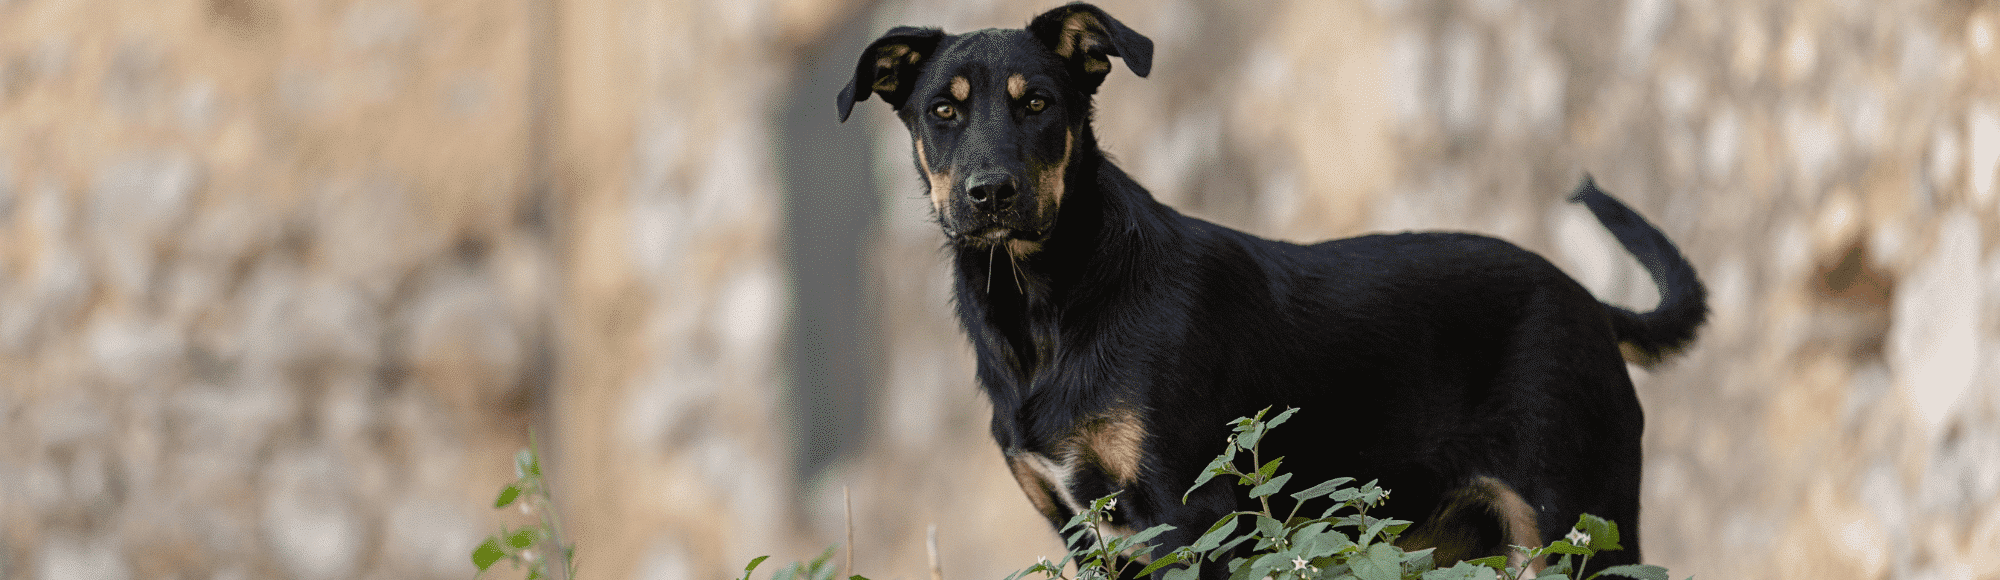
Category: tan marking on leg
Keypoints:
(1517, 522)
(1116, 443)
(940, 181)
(1053, 476)
(1017, 85)
(961, 89)
(1486, 503)
(1034, 484)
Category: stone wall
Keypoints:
(283, 283)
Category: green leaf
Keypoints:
(1270, 487)
(1320, 539)
(507, 496)
(524, 538)
(1214, 469)
(1163, 561)
(1074, 538)
(1495, 563)
(1381, 562)
(1325, 487)
(1147, 534)
(1269, 528)
(1076, 520)
(1233, 543)
(525, 464)
(1188, 573)
(1603, 532)
(1465, 571)
(1374, 528)
(1262, 565)
(1639, 571)
(487, 553)
(753, 565)
(1249, 439)
(1098, 505)
(1216, 534)
(1269, 469)
(1280, 419)
(1564, 547)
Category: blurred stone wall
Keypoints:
(268, 304)
(283, 283)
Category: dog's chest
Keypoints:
(1098, 456)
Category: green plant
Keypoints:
(1106, 556)
(532, 546)
(1342, 543)
(820, 568)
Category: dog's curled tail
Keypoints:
(1650, 337)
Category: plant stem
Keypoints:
(552, 544)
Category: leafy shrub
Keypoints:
(1342, 543)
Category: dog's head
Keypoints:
(997, 117)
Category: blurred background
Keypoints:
(284, 283)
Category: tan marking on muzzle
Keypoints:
(961, 89)
(1016, 86)
(940, 181)
(1021, 249)
(1051, 177)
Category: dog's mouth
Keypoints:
(994, 235)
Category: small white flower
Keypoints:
(1111, 505)
(1578, 538)
(1299, 564)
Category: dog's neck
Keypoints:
(1015, 307)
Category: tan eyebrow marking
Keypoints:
(1016, 86)
(960, 88)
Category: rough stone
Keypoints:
(70, 558)
(307, 519)
(1934, 341)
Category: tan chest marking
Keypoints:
(1113, 443)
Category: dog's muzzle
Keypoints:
(991, 192)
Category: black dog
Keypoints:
(1117, 337)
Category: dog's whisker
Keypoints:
(1014, 267)
(989, 268)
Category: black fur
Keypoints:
(1116, 337)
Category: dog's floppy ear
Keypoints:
(1087, 37)
(889, 67)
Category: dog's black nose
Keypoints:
(990, 192)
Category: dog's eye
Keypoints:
(1036, 104)
(944, 111)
